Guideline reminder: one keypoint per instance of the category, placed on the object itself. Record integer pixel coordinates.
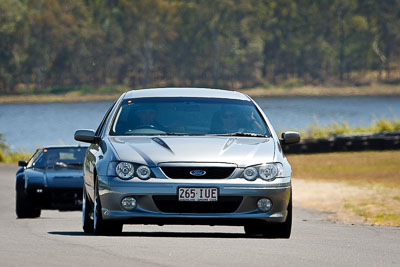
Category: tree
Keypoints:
(13, 40)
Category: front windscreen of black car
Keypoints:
(70, 157)
(187, 116)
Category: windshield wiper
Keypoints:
(243, 134)
(179, 134)
(75, 164)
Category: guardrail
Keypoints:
(340, 143)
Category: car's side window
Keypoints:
(103, 122)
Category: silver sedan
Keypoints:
(187, 156)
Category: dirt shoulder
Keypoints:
(340, 201)
(353, 187)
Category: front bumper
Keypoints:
(149, 194)
(65, 199)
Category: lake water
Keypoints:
(29, 126)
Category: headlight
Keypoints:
(143, 172)
(250, 173)
(267, 172)
(125, 170)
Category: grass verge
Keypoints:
(52, 98)
(83, 94)
(350, 186)
(376, 89)
(316, 130)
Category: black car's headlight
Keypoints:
(126, 170)
(267, 172)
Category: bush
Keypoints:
(2, 157)
(10, 157)
(378, 125)
(292, 83)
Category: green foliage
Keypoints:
(292, 83)
(2, 156)
(83, 89)
(13, 157)
(378, 125)
(3, 147)
(7, 156)
(56, 46)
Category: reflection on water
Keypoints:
(33, 125)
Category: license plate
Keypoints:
(205, 194)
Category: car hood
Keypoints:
(64, 177)
(242, 151)
(55, 178)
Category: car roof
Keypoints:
(186, 92)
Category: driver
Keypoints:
(52, 159)
(146, 117)
(225, 121)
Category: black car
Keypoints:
(51, 179)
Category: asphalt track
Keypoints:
(57, 239)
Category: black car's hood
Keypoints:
(55, 177)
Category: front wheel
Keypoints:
(100, 226)
(272, 230)
(87, 213)
(24, 207)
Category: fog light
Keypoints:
(128, 203)
(264, 204)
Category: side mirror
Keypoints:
(289, 138)
(22, 163)
(87, 136)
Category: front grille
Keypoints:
(225, 204)
(211, 172)
(66, 195)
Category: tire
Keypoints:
(87, 211)
(24, 207)
(284, 230)
(254, 229)
(100, 226)
(272, 230)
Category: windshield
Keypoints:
(188, 116)
(60, 157)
